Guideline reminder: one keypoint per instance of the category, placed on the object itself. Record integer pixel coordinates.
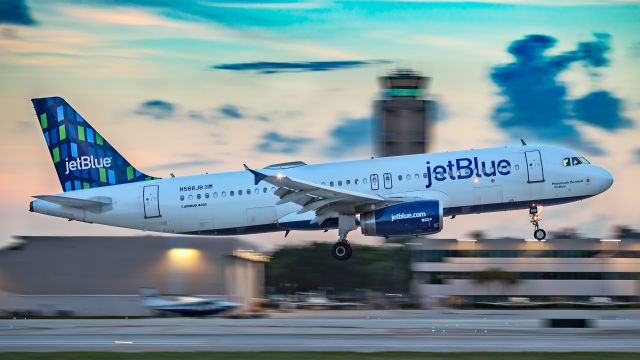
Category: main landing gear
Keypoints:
(341, 250)
(534, 215)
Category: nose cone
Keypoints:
(603, 179)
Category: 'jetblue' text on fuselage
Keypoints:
(465, 168)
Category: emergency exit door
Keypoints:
(534, 166)
(151, 203)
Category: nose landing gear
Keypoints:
(535, 218)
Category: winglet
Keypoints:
(258, 176)
(523, 143)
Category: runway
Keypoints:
(363, 331)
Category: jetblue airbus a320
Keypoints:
(394, 196)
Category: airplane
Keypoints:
(392, 196)
(186, 305)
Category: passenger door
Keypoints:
(150, 197)
(534, 166)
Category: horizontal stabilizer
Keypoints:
(93, 204)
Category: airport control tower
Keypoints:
(403, 118)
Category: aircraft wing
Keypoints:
(326, 201)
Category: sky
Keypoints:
(195, 86)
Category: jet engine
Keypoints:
(412, 218)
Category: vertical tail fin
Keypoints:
(82, 157)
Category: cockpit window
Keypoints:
(575, 161)
(566, 162)
(584, 160)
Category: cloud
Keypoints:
(274, 142)
(600, 109)
(231, 111)
(267, 67)
(349, 135)
(156, 109)
(15, 12)
(226, 112)
(535, 103)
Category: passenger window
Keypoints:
(256, 191)
(198, 196)
(417, 176)
(248, 191)
(566, 162)
(408, 177)
(331, 183)
(323, 183)
(190, 197)
(206, 195)
(400, 177)
(364, 180)
(273, 189)
(231, 193)
(339, 182)
(355, 181)
(264, 190)
(575, 161)
(239, 192)
(348, 182)
(224, 193)
(424, 175)
(517, 167)
(181, 197)
(215, 195)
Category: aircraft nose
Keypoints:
(605, 179)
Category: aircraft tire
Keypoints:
(341, 251)
(539, 234)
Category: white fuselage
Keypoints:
(231, 203)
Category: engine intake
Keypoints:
(413, 218)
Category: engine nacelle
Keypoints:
(413, 218)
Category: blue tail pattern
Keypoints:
(82, 157)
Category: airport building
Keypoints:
(102, 276)
(403, 118)
(469, 271)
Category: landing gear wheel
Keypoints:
(535, 218)
(341, 250)
(539, 234)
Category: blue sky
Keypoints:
(195, 86)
